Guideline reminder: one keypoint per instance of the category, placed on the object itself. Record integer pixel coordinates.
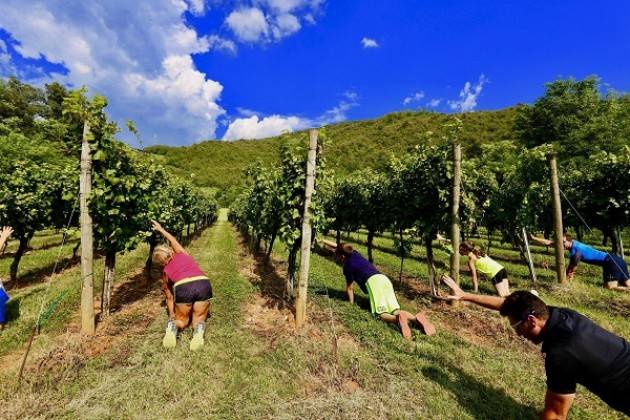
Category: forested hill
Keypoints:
(351, 145)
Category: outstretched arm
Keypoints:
(487, 301)
(541, 241)
(177, 247)
(5, 233)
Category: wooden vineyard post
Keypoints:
(305, 252)
(87, 242)
(455, 222)
(557, 220)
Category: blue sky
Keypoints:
(188, 70)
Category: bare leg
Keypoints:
(182, 315)
(503, 288)
(424, 324)
(402, 317)
(199, 315)
(200, 312)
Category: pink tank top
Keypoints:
(181, 267)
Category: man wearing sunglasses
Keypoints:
(576, 349)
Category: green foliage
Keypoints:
(352, 146)
(576, 118)
(273, 202)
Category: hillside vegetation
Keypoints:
(351, 146)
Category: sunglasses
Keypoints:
(516, 324)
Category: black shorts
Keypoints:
(195, 291)
(499, 277)
(615, 269)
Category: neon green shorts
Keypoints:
(382, 296)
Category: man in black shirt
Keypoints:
(576, 349)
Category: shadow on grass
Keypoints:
(38, 275)
(480, 400)
(132, 290)
(41, 248)
(270, 282)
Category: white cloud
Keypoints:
(415, 97)
(338, 113)
(285, 25)
(468, 96)
(197, 7)
(284, 6)
(262, 21)
(434, 103)
(218, 43)
(369, 43)
(136, 53)
(256, 128)
(247, 112)
(249, 25)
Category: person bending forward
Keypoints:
(187, 290)
(379, 288)
(577, 350)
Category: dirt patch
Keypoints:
(70, 351)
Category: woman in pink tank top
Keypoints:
(186, 288)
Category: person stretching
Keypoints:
(577, 350)
(5, 233)
(615, 269)
(379, 288)
(187, 290)
(479, 262)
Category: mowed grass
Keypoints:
(475, 375)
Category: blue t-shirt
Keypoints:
(586, 253)
(358, 269)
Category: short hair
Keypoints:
(344, 249)
(161, 254)
(520, 304)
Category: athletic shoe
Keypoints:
(197, 341)
(424, 324)
(403, 322)
(170, 337)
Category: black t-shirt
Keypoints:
(579, 351)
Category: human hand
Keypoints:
(458, 293)
(6, 231)
(156, 226)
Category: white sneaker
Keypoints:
(197, 341)
(170, 337)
